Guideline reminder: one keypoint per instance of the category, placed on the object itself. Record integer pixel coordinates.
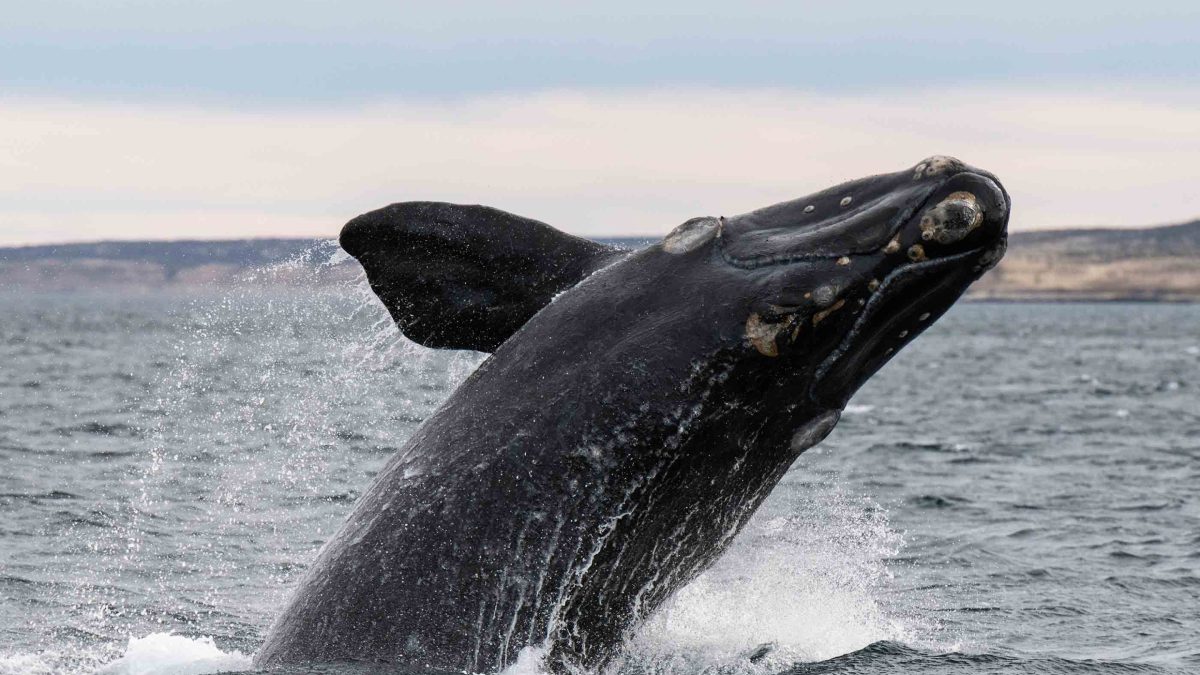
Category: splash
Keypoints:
(805, 581)
(154, 654)
(530, 661)
(168, 654)
(51, 662)
(286, 390)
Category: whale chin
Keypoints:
(908, 301)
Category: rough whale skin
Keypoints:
(638, 407)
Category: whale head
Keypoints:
(823, 289)
(848, 276)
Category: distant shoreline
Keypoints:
(213, 290)
(1150, 265)
(1076, 300)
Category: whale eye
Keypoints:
(815, 431)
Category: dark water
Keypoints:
(1019, 491)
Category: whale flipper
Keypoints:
(466, 277)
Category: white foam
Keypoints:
(169, 654)
(73, 661)
(808, 578)
(27, 664)
(529, 662)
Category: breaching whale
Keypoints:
(636, 409)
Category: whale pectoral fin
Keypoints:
(466, 277)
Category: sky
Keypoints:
(219, 119)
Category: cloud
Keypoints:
(594, 163)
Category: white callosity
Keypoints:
(691, 235)
(952, 219)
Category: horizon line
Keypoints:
(333, 239)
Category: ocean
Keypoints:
(1017, 492)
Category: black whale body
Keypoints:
(638, 407)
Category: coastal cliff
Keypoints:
(1158, 263)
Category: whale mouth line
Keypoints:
(925, 276)
(896, 223)
(933, 208)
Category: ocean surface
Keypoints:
(1017, 492)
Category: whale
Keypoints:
(634, 411)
